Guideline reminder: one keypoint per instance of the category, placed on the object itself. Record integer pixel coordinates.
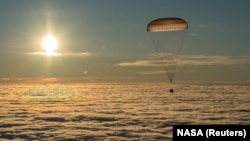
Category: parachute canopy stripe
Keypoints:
(167, 24)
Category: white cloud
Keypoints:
(152, 72)
(46, 53)
(160, 72)
(191, 60)
(139, 63)
(194, 34)
(213, 60)
(61, 54)
(78, 54)
(5, 79)
(85, 72)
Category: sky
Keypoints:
(107, 41)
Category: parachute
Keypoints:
(167, 35)
(167, 24)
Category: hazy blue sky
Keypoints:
(96, 37)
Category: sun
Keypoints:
(50, 44)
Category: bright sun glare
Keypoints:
(49, 44)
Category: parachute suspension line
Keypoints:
(170, 74)
(170, 77)
(177, 59)
(153, 41)
(182, 42)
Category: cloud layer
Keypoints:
(116, 111)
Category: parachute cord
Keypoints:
(170, 77)
(153, 41)
(177, 58)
